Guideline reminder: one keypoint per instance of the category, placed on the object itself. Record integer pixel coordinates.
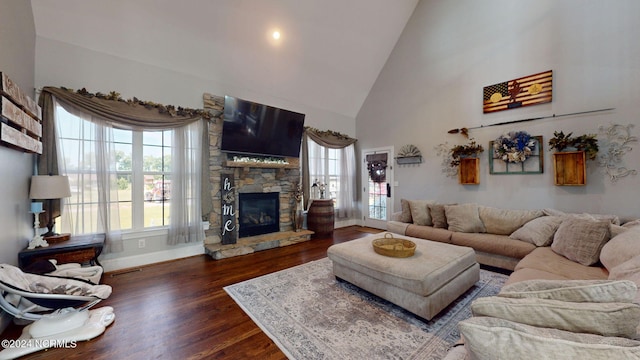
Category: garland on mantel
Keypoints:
(162, 109)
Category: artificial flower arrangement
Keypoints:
(514, 147)
(471, 149)
(587, 143)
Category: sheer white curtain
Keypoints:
(91, 167)
(347, 195)
(185, 222)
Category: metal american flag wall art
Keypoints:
(529, 90)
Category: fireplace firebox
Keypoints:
(259, 213)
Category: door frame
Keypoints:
(364, 181)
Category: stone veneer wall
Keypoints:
(255, 180)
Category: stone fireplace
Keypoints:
(277, 181)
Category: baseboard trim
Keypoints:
(151, 258)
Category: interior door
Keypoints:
(377, 182)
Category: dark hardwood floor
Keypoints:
(179, 310)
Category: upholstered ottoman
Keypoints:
(423, 284)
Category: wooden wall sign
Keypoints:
(228, 213)
(20, 124)
(529, 90)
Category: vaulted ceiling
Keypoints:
(328, 56)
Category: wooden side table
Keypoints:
(83, 249)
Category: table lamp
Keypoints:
(49, 188)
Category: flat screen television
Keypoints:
(256, 129)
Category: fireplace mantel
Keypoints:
(292, 163)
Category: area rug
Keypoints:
(311, 315)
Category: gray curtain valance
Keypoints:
(128, 114)
(328, 138)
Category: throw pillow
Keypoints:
(420, 212)
(486, 337)
(539, 231)
(581, 240)
(620, 249)
(464, 218)
(601, 291)
(438, 216)
(606, 319)
(405, 215)
(505, 221)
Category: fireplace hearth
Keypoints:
(259, 213)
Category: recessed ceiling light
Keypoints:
(276, 35)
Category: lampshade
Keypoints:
(49, 187)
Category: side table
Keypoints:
(83, 249)
(320, 217)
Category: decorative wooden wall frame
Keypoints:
(533, 165)
(529, 90)
(569, 168)
(469, 171)
(20, 124)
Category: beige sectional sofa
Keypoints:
(539, 246)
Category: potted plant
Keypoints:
(470, 150)
(587, 143)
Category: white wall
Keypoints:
(17, 41)
(450, 50)
(63, 64)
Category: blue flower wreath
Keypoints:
(514, 147)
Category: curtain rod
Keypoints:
(465, 130)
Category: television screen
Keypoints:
(257, 129)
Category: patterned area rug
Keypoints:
(311, 315)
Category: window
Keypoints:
(325, 169)
(336, 169)
(141, 171)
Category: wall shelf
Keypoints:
(402, 160)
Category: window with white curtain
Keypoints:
(142, 164)
(336, 169)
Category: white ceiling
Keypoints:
(329, 56)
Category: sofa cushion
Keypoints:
(581, 240)
(405, 214)
(620, 249)
(545, 260)
(493, 244)
(606, 319)
(538, 231)
(429, 233)
(464, 218)
(614, 219)
(573, 290)
(438, 216)
(485, 337)
(397, 227)
(628, 270)
(505, 221)
(420, 212)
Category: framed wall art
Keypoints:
(529, 90)
(513, 160)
